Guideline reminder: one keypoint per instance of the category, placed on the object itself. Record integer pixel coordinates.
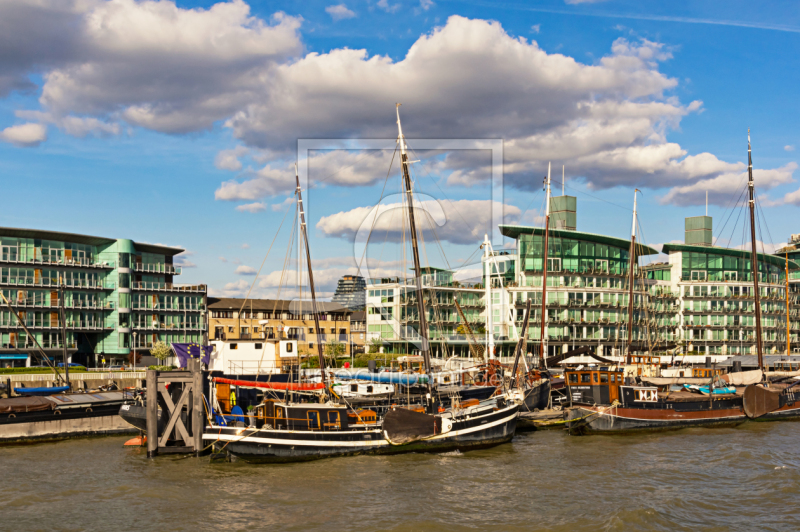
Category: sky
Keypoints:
(180, 123)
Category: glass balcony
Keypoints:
(167, 269)
(151, 286)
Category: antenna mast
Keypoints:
(631, 264)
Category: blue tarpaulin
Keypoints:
(385, 377)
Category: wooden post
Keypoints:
(198, 415)
(152, 413)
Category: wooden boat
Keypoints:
(779, 401)
(602, 402)
(291, 431)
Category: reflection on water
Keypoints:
(698, 479)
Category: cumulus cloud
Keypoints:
(389, 8)
(251, 207)
(788, 147)
(148, 63)
(721, 187)
(229, 159)
(25, 134)
(183, 261)
(245, 270)
(339, 12)
(458, 222)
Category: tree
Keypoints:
(161, 351)
(375, 345)
(138, 358)
(334, 348)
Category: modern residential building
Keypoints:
(351, 292)
(700, 300)
(248, 319)
(791, 252)
(117, 295)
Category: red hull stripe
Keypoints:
(272, 385)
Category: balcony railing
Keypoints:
(29, 345)
(151, 286)
(55, 325)
(58, 261)
(168, 327)
(54, 304)
(53, 283)
(163, 308)
(167, 269)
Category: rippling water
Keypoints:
(698, 479)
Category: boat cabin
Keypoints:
(307, 416)
(412, 363)
(251, 357)
(645, 360)
(706, 372)
(364, 389)
(594, 384)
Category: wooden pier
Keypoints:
(183, 405)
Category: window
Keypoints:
(585, 378)
(310, 330)
(604, 378)
(594, 375)
(313, 419)
(230, 329)
(234, 347)
(289, 348)
(259, 346)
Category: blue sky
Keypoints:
(178, 123)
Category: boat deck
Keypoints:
(685, 396)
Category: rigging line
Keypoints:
(440, 189)
(592, 196)
(263, 261)
(731, 205)
(764, 216)
(740, 210)
(734, 207)
(377, 212)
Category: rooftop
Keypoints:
(514, 231)
(272, 305)
(740, 253)
(85, 239)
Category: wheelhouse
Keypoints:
(594, 385)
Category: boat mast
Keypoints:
(543, 344)
(423, 322)
(631, 258)
(753, 255)
(487, 253)
(304, 230)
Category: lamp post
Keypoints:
(133, 361)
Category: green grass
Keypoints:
(39, 371)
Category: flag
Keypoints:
(186, 351)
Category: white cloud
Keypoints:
(282, 206)
(245, 246)
(223, 259)
(788, 147)
(245, 270)
(148, 63)
(339, 12)
(229, 159)
(725, 187)
(183, 261)
(426, 4)
(389, 8)
(459, 222)
(535, 28)
(26, 135)
(251, 207)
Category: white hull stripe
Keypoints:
(238, 438)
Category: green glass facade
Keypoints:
(112, 288)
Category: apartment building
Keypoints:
(240, 319)
(117, 295)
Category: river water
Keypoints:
(745, 478)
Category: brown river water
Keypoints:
(744, 478)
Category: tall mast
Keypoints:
(487, 253)
(543, 345)
(753, 255)
(304, 230)
(631, 263)
(63, 316)
(423, 322)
